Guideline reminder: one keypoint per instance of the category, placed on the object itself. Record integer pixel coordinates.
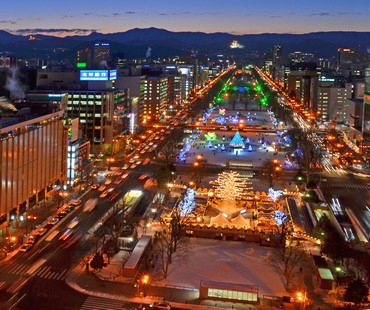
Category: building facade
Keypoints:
(332, 93)
(32, 162)
(155, 100)
(96, 111)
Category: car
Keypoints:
(101, 188)
(32, 239)
(143, 176)
(118, 181)
(113, 196)
(69, 208)
(61, 214)
(104, 194)
(26, 247)
(124, 167)
(74, 222)
(66, 234)
(41, 231)
(53, 221)
(76, 202)
(160, 305)
(133, 166)
(146, 161)
(109, 190)
(124, 176)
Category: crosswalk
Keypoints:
(345, 185)
(335, 170)
(46, 272)
(98, 303)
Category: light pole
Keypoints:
(145, 281)
(301, 297)
(110, 160)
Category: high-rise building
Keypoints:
(154, 105)
(302, 84)
(351, 56)
(102, 54)
(32, 163)
(96, 110)
(332, 92)
(366, 116)
(277, 53)
(83, 59)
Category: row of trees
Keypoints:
(352, 265)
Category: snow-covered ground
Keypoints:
(226, 261)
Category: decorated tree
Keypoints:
(229, 187)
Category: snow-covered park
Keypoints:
(228, 262)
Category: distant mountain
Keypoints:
(133, 43)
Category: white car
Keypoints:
(26, 247)
(53, 221)
(76, 202)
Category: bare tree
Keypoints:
(308, 154)
(272, 172)
(286, 260)
(172, 243)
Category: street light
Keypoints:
(145, 281)
(301, 297)
(110, 160)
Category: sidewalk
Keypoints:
(86, 282)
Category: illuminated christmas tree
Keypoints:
(228, 187)
(187, 204)
(237, 141)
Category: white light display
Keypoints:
(274, 194)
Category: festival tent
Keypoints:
(240, 221)
(219, 220)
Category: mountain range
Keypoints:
(135, 42)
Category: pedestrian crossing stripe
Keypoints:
(46, 272)
(99, 303)
(359, 186)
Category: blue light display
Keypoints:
(98, 75)
(112, 75)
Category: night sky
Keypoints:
(79, 17)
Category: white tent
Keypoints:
(219, 220)
(240, 221)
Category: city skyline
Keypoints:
(76, 18)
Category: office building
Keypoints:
(277, 53)
(102, 55)
(366, 116)
(96, 112)
(302, 84)
(83, 59)
(155, 103)
(332, 92)
(32, 163)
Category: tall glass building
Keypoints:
(366, 116)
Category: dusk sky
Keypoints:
(69, 17)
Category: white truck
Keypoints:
(90, 204)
